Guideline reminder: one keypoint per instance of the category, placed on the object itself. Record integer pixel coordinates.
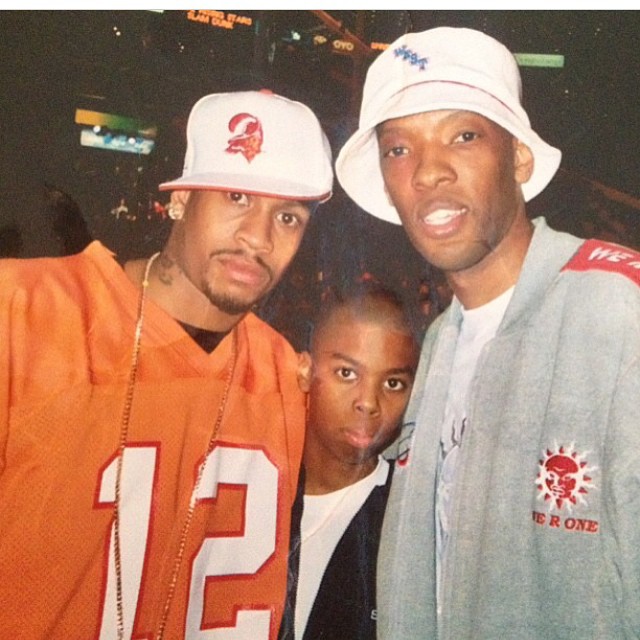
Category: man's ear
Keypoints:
(523, 161)
(180, 197)
(177, 204)
(304, 371)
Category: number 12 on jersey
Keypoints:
(217, 556)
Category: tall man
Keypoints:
(151, 426)
(514, 507)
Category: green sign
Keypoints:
(540, 60)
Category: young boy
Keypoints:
(358, 376)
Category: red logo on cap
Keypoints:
(248, 136)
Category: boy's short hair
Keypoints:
(368, 300)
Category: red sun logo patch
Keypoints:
(564, 478)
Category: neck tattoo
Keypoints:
(165, 275)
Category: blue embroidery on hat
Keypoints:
(411, 57)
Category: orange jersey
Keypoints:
(66, 342)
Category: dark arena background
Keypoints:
(95, 104)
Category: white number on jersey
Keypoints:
(217, 556)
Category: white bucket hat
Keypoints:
(442, 68)
(256, 142)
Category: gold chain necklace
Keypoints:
(124, 434)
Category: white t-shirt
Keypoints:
(325, 518)
(479, 325)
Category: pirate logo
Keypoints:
(563, 478)
(248, 136)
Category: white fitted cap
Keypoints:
(256, 142)
(442, 68)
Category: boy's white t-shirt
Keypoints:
(325, 518)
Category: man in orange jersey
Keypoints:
(150, 425)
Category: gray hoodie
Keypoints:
(545, 536)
